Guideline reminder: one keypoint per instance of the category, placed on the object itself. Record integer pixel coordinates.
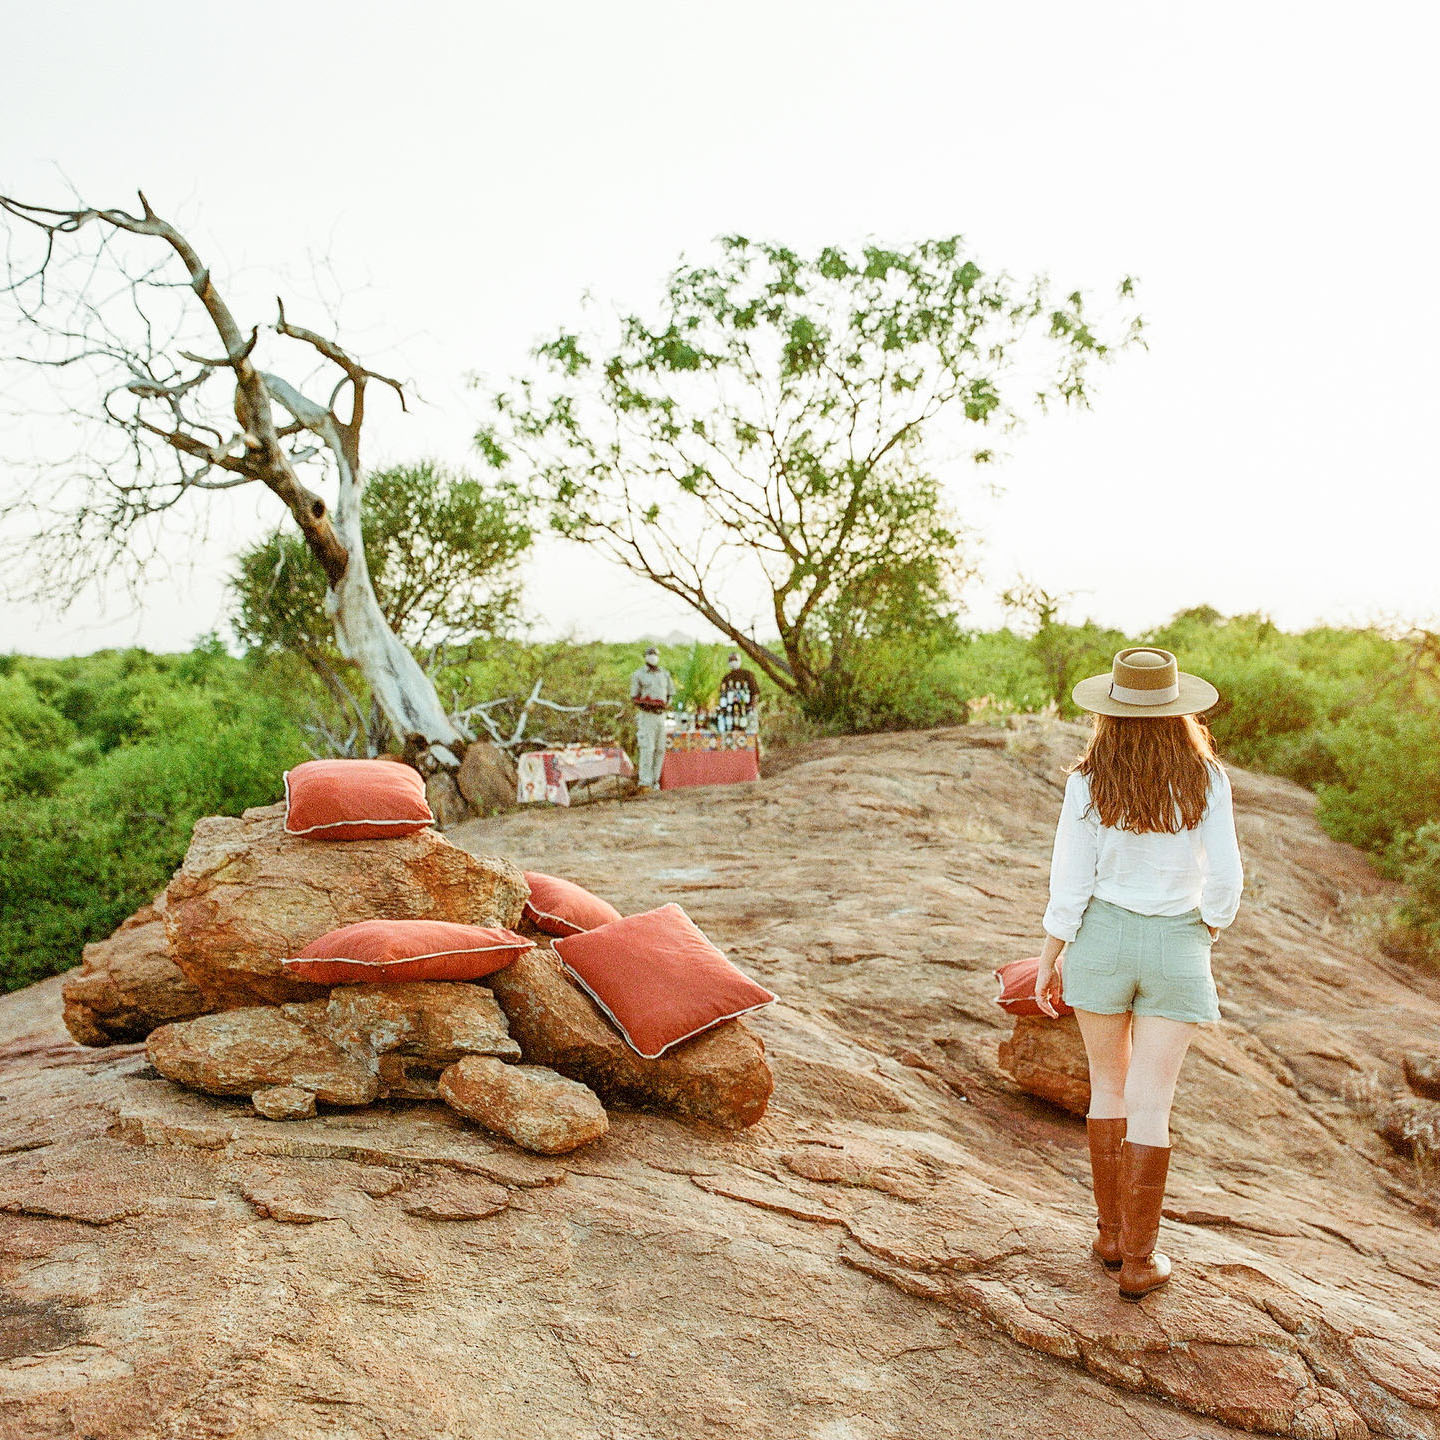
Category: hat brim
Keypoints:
(1196, 696)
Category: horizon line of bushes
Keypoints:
(107, 760)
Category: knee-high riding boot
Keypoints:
(1105, 1138)
(1142, 1193)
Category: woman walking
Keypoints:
(1146, 872)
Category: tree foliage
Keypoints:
(443, 551)
(780, 428)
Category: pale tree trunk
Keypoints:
(401, 688)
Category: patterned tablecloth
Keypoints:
(700, 757)
(547, 774)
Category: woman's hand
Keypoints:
(1214, 931)
(1049, 983)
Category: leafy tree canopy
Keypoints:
(783, 422)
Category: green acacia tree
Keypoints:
(780, 427)
(443, 550)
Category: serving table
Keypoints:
(702, 757)
(548, 774)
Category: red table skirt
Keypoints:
(708, 767)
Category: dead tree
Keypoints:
(189, 421)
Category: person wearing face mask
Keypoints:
(741, 688)
(651, 691)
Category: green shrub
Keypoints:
(1304, 757)
(1260, 701)
(1389, 781)
(1418, 861)
(34, 738)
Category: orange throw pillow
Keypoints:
(658, 978)
(1017, 989)
(384, 952)
(561, 907)
(354, 800)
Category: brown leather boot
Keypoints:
(1142, 1193)
(1105, 1138)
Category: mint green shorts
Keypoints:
(1149, 964)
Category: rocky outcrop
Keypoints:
(898, 1249)
(432, 1023)
(248, 895)
(128, 984)
(535, 1107)
(446, 802)
(1046, 1058)
(721, 1076)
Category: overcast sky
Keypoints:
(469, 170)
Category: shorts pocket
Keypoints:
(1186, 953)
(1095, 950)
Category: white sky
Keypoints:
(1266, 170)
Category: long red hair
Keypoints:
(1149, 772)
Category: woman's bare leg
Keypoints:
(1107, 1047)
(1158, 1049)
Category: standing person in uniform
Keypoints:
(1146, 872)
(651, 691)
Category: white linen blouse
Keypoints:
(1154, 873)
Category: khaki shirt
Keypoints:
(653, 684)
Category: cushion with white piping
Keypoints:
(561, 907)
(1017, 988)
(354, 800)
(384, 952)
(658, 978)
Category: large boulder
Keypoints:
(535, 1107)
(446, 802)
(248, 894)
(240, 1052)
(128, 984)
(487, 778)
(1047, 1058)
(720, 1076)
(361, 1043)
(409, 1033)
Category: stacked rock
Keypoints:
(200, 974)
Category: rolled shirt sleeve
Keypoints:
(1072, 862)
(1224, 877)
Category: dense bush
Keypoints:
(1388, 785)
(202, 734)
(1419, 865)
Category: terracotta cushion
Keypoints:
(354, 800)
(384, 952)
(658, 978)
(1017, 989)
(561, 907)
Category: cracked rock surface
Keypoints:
(897, 1249)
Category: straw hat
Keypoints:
(1145, 680)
